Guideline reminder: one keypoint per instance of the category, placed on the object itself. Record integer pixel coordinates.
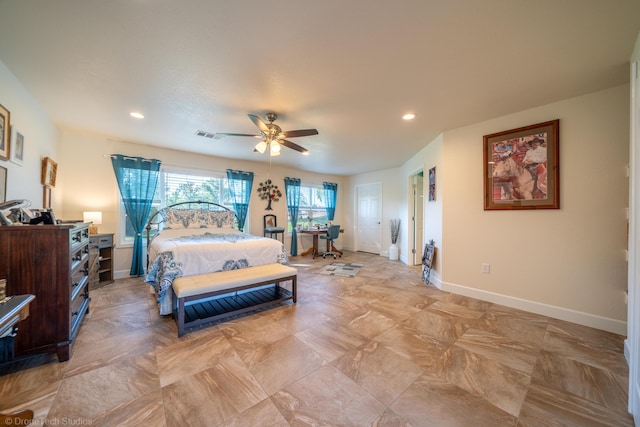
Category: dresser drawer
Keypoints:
(105, 241)
(77, 311)
(79, 257)
(78, 236)
(79, 281)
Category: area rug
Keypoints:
(341, 269)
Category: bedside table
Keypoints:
(100, 260)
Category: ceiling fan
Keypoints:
(273, 135)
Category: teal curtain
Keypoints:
(292, 190)
(330, 195)
(137, 180)
(240, 184)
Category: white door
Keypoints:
(633, 309)
(369, 199)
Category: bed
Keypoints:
(195, 238)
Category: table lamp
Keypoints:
(95, 218)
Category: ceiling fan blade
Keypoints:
(292, 145)
(258, 122)
(222, 135)
(301, 132)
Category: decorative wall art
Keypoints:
(17, 146)
(521, 168)
(5, 133)
(49, 172)
(432, 184)
(269, 191)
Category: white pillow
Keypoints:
(218, 219)
(182, 218)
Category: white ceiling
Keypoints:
(349, 68)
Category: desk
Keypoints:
(315, 232)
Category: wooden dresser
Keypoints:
(52, 263)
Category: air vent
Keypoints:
(205, 134)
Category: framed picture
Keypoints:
(49, 172)
(432, 184)
(46, 197)
(17, 146)
(3, 184)
(427, 260)
(5, 133)
(521, 168)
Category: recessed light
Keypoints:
(409, 116)
(136, 115)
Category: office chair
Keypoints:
(332, 234)
(270, 224)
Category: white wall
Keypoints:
(90, 184)
(23, 181)
(394, 205)
(567, 263)
(570, 262)
(430, 156)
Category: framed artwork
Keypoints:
(432, 184)
(521, 168)
(46, 197)
(49, 172)
(17, 146)
(5, 133)
(3, 184)
(427, 260)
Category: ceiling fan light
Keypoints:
(261, 147)
(275, 148)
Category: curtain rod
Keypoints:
(131, 158)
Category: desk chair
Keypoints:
(332, 234)
(270, 223)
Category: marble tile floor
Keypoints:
(379, 349)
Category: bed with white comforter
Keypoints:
(187, 251)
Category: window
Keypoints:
(176, 187)
(312, 207)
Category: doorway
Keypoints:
(416, 212)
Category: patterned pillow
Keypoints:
(182, 218)
(219, 219)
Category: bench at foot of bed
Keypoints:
(247, 288)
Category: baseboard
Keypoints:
(586, 319)
(123, 274)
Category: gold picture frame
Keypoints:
(5, 133)
(49, 172)
(521, 168)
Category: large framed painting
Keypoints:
(5, 133)
(521, 168)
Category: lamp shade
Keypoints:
(94, 217)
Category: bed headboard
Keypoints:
(194, 214)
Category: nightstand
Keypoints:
(100, 260)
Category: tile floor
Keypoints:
(378, 349)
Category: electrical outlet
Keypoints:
(485, 268)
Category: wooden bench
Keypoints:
(192, 289)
